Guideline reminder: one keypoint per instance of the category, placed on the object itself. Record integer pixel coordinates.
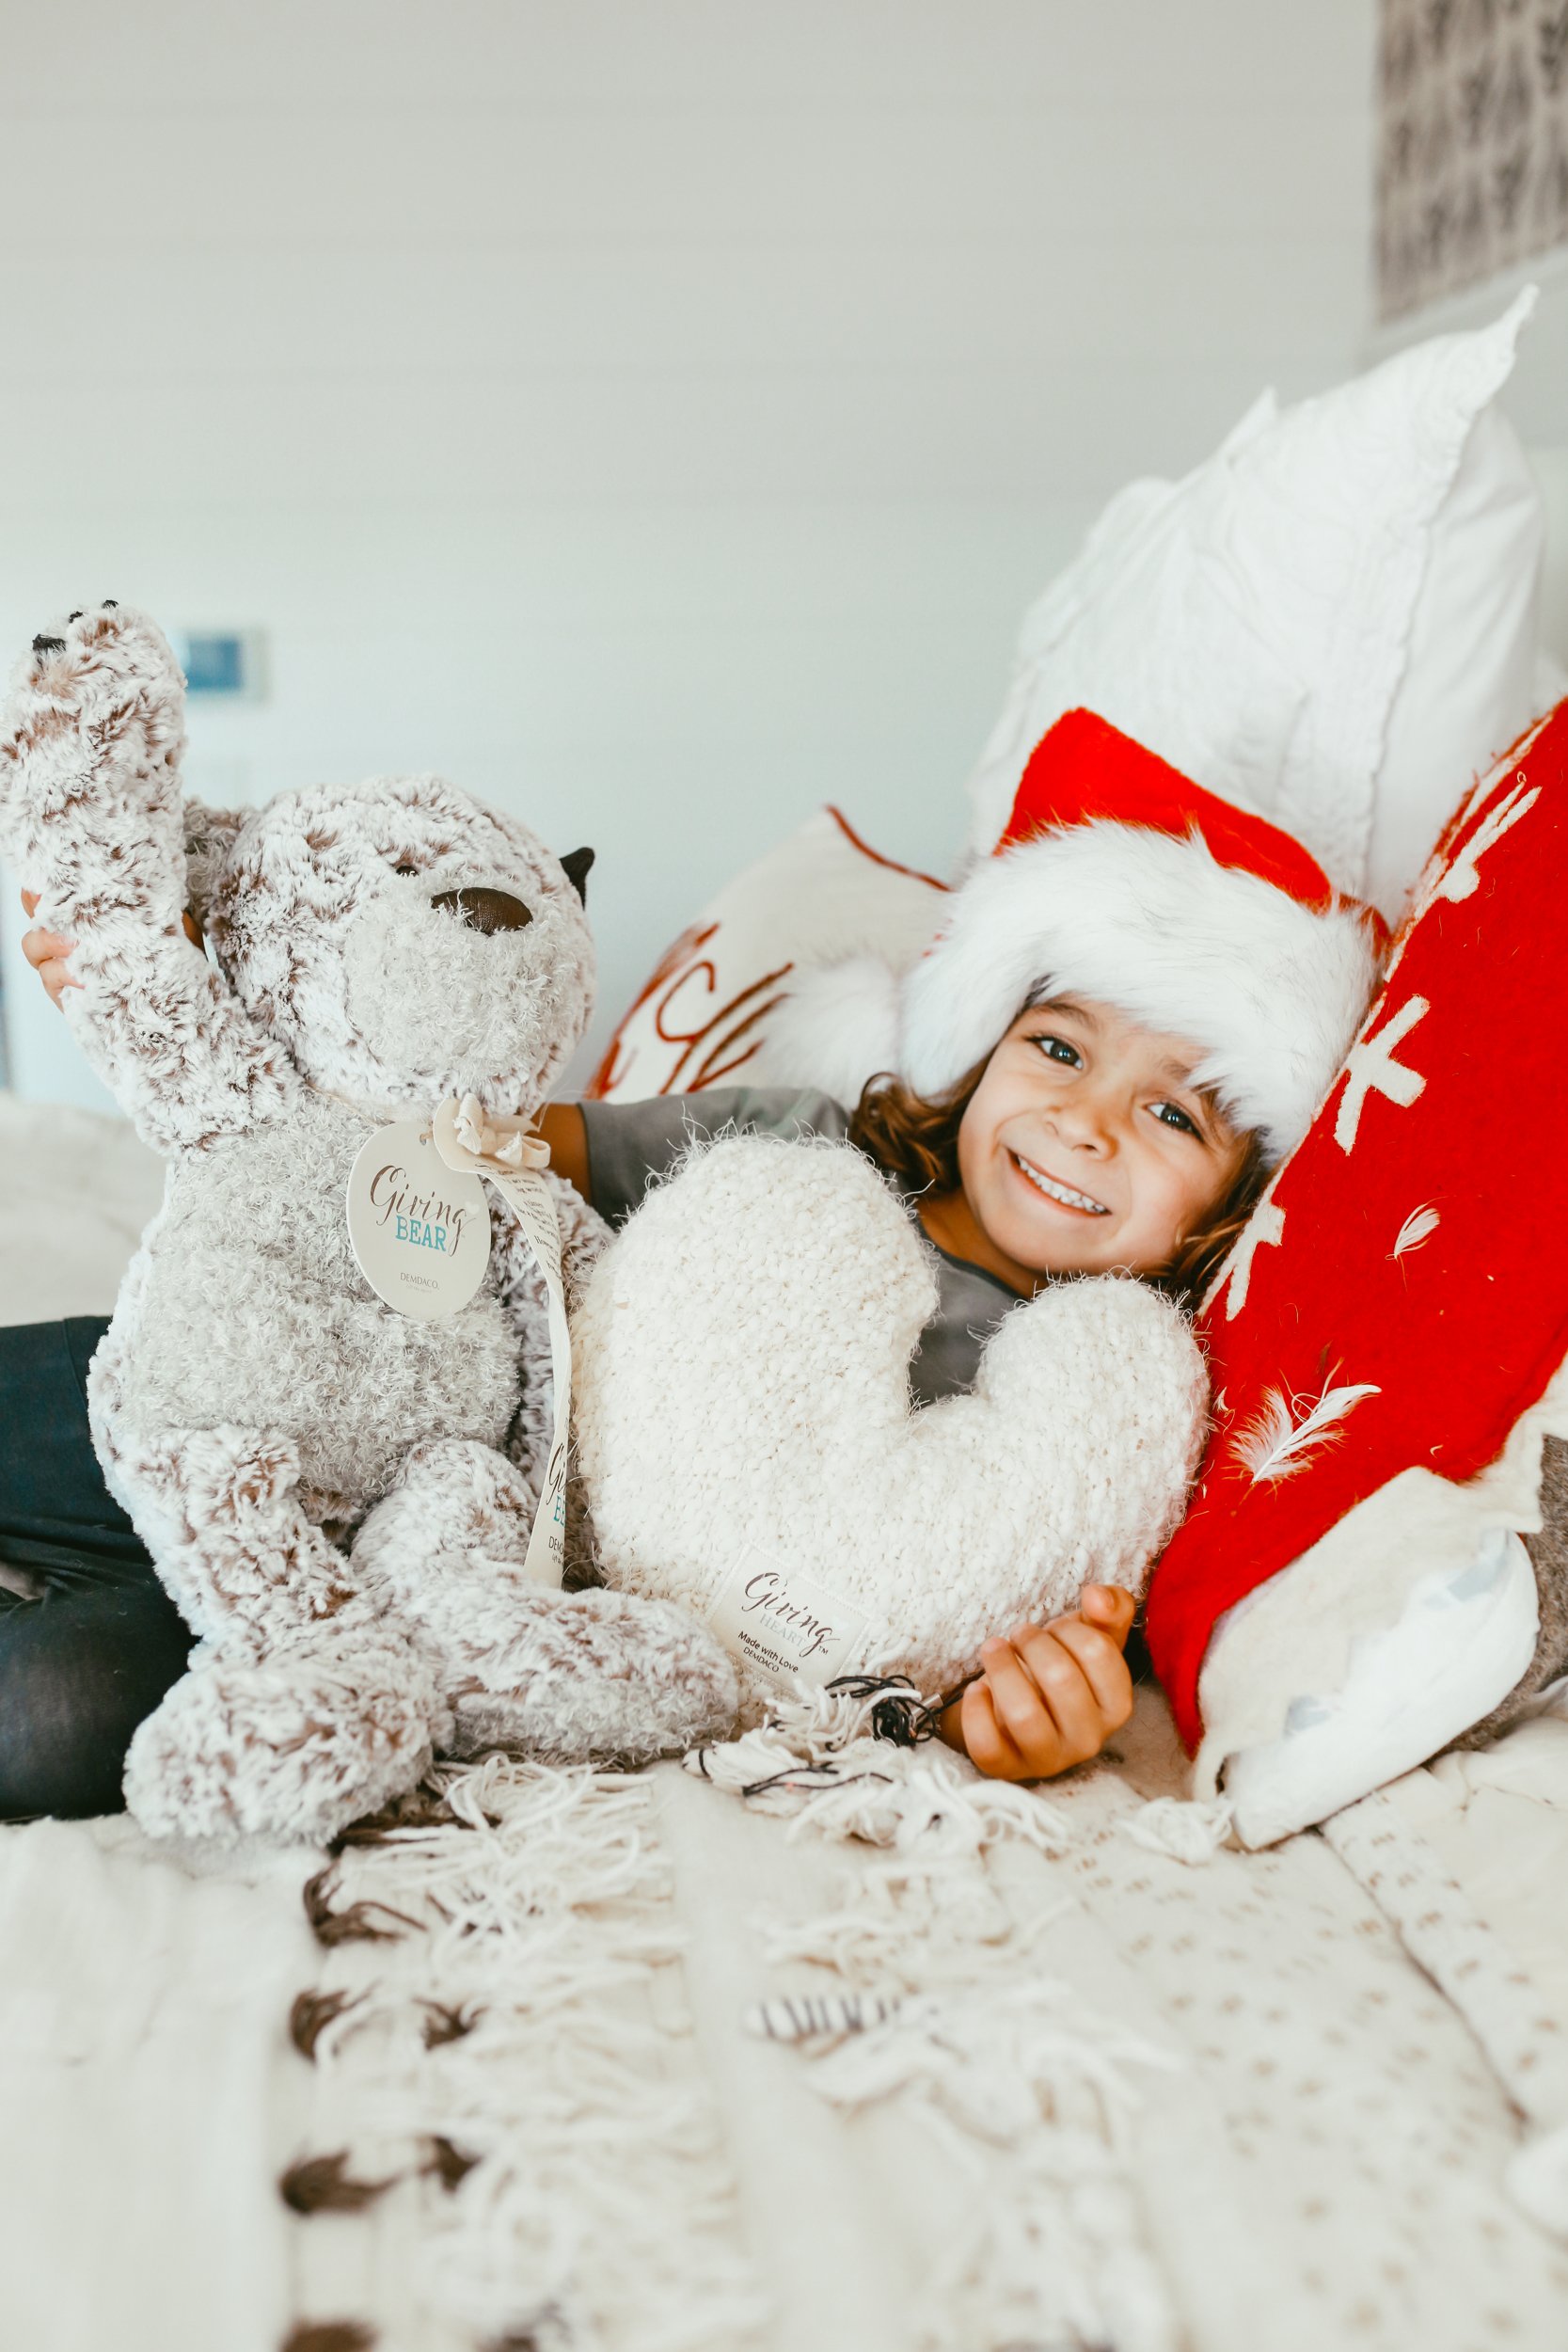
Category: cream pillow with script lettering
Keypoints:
(746, 1444)
(712, 1013)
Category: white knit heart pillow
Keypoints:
(747, 1444)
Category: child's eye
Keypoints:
(1058, 1049)
(1172, 1115)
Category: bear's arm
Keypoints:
(91, 816)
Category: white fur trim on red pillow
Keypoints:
(1271, 991)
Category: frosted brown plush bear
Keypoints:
(339, 1498)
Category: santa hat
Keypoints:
(1119, 879)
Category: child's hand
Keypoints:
(47, 952)
(1051, 1696)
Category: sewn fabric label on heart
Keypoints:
(783, 1623)
(420, 1231)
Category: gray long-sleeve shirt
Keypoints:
(631, 1145)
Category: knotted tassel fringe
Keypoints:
(858, 1759)
(509, 2061)
(941, 2005)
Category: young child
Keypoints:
(1130, 1016)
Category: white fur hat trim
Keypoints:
(1273, 990)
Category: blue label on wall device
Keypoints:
(220, 663)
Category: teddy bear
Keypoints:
(337, 1496)
(772, 1473)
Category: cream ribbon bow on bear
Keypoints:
(504, 1151)
(491, 1142)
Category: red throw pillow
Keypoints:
(1400, 1298)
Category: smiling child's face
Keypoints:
(1087, 1148)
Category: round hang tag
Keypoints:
(420, 1231)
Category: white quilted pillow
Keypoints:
(1474, 679)
(1332, 621)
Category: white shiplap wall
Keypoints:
(654, 413)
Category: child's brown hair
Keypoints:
(918, 1140)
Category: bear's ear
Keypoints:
(575, 864)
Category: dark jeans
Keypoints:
(89, 1641)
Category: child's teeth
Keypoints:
(1063, 1193)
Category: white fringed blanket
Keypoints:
(542, 2065)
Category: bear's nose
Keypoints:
(485, 910)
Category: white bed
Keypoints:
(1313, 2145)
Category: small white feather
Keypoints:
(1275, 1444)
(1419, 1226)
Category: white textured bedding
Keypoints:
(1314, 2150)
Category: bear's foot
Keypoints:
(571, 1677)
(444, 1548)
(293, 1747)
(592, 1677)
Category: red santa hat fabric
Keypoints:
(1117, 878)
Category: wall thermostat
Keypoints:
(222, 665)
